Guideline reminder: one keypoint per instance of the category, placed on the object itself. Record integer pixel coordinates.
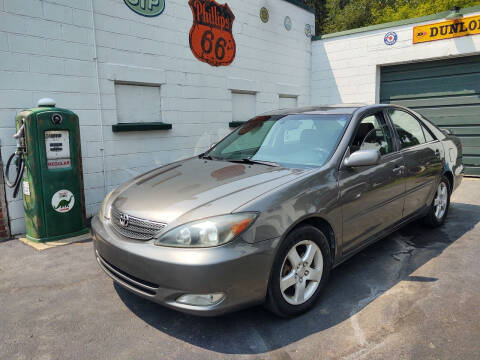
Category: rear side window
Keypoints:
(438, 134)
(427, 134)
(409, 130)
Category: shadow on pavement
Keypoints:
(352, 286)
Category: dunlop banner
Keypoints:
(447, 29)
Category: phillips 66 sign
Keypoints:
(211, 38)
(148, 8)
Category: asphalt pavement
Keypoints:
(413, 295)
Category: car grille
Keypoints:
(136, 228)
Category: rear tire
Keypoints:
(299, 273)
(441, 202)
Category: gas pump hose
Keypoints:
(20, 164)
(18, 178)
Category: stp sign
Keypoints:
(211, 38)
(149, 8)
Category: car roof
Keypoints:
(344, 109)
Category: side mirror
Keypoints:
(446, 131)
(363, 158)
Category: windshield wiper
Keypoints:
(258, 162)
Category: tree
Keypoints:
(320, 12)
(339, 15)
(344, 15)
(406, 9)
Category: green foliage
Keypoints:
(320, 12)
(339, 15)
(406, 9)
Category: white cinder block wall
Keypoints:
(47, 49)
(346, 69)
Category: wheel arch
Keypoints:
(321, 224)
(449, 175)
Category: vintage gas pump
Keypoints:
(48, 164)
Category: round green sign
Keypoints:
(149, 8)
(264, 15)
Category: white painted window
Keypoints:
(244, 105)
(138, 103)
(287, 101)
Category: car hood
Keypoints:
(170, 192)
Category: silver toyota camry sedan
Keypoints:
(263, 216)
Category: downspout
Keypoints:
(99, 102)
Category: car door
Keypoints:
(423, 156)
(371, 196)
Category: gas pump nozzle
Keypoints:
(17, 137)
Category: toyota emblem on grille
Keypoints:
(124, 220)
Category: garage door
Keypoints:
(447, 92)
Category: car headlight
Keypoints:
(209, 232)
(105, 209)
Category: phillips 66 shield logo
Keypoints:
(211, 38)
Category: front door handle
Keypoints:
(398, 170)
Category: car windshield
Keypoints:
(292, 141)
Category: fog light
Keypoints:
(201, 300)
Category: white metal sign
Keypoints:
(63, 201)
(26, 188)
(57, 146)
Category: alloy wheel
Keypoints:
(441, 201)
(301, 272)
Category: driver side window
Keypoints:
(373, 134)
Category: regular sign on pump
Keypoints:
(57, 147)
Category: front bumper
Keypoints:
(162, 274)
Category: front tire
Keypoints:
(300, 271)
(439, 208)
